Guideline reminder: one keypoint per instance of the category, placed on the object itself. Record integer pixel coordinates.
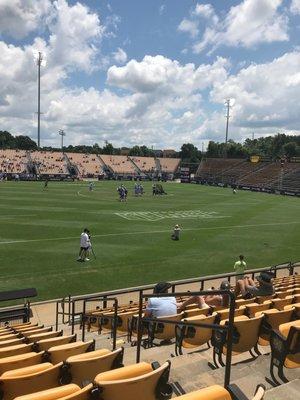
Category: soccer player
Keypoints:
(91, 186)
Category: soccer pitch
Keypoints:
(40, 230)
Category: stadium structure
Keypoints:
(280, 176)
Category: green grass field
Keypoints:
(40, 229)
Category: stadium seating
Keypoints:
(162, 331)
(145, 164)
(13, 161)
(20, 361)
(84, 367)
(119, 164)
(191, 336)
(272, 318)
(46, 344)
(61, 352)
(169, 165)
(57, 393)
(88, 165)
(285, 348)
(139, 381)
(49, 162)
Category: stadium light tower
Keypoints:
(62, 133)
(228, 103)
(40, 61)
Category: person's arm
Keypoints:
(148, 310)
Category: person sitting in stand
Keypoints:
(213, 300)
(248, 288)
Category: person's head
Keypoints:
(161, 287)
(176, 226)
(241, 257)
(86, 230)
(264, 278)
(225, 285)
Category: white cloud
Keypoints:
(120, 56)
(267, 95)
(248, 24)
(295, 6)
(162, 9)
(205, 11)
(20, 17)
(188, 26)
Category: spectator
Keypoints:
(248, 288)
(239, 268)
(214, 300)
(161, 306)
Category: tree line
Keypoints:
(272, 147)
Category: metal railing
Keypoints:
(226, 327)
(113, 318)
(72, 306)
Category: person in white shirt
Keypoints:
(85, 244)
(161, 306)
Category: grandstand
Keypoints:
(13, 161)
(263, 174)
(49, 162)
(213, 350)
(169, 165)
(121, 165)
(87, 165)
(145, 164)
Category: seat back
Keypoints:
(215, 392)
(19, 361)
(62, 352)
(271, 320)
(166, 331)
(45, 335)
(46, 344)
(15, 350)
(13, 342)
(56, 393)
(36, 331)
(8, 336)
(197, 336)
(85, 367)
(14, 386)
(142, 386)
(247, 331)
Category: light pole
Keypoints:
(62, 133)
(40, 62)
(228, 103)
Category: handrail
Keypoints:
(113, 317)
(228, 327)
(74, 300)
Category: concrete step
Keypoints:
(288, 391)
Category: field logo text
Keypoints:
(158, 215)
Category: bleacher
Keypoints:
(88, 165)
(145, 164)
(269, 175)
(169, 165)
(263, 174)
(49, 162)
(39, 363)
(13, 161)
(121, 165)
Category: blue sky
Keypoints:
(150, 72)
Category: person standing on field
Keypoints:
(239, 268)
(85, 244)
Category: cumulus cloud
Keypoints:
(188, 26)
(20, 17)
(120, 56)
(295, 6)
(246, 25)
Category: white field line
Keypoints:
(148, 232)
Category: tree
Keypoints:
(190, 153)
(108, 149)
(291, 149)
(25, 143)
(7, 141)
(136, 151)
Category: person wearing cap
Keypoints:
(176, 232)
(248, 288)
(239, 268)
(213, 300)
(161, 306)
